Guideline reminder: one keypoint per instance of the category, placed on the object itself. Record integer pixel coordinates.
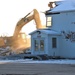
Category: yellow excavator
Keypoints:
(27, 19)
(17, 39)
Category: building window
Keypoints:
(49, 21)
(41, 44)
(72, 38)
(36, 45)
(54, 43)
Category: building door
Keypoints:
(39, 45)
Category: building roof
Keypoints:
(46, 31)
(64, 6)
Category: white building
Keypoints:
(59, 38)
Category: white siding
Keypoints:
(33, 37)
(68, 49)
(54, 51)
(63, 21)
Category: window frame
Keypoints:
(47, 21)
(54, 42)
(42, 45)
(36, 46)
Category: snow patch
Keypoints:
(51, 61)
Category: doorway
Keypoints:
(39, 45)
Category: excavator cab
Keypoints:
(22, 36)
(19, 41)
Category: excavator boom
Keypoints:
(27, 19)
(17, 39)
(21, 23)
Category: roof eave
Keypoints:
(58, 12)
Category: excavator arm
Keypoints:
(26, 20)
(21, 23)
(17, 39)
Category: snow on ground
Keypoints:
(51, 61)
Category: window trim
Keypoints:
(42, 43)
(54, 42)
(36, 47)
(48, 21)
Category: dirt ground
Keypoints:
(36, 69)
